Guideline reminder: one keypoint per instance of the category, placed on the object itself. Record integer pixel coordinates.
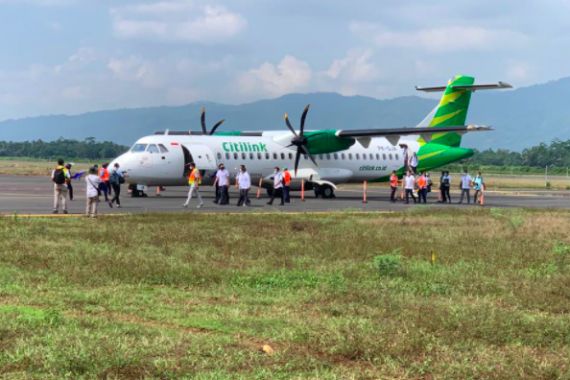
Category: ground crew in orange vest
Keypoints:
(422, 182)
(105, 185)
(194, 181)
(393, 186)
(286, 185)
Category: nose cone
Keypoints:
(127, 165)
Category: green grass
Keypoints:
(336, 296)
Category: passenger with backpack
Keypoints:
(60, 177)
(116, 179)
(92, 182)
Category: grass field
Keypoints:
(480, 293)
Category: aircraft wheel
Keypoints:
(327, 192)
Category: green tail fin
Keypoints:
(452, 110)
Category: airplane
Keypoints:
(321, 158)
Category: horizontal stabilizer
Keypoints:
(471, 87)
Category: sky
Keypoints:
(73, 56)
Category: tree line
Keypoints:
(62, 148)
(555, 154)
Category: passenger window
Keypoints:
(227, 156)
(152, 149)
(236, 156)
(243, 156)
(357, 156)
(259, 156)
(282, 156)
(342, 156)
(219, 156)
(267, 156)
(305, 157)
(290, 156)
(251, 156)
(390, 156)
(328, 156)
(274, 156)
(377, 156)
(384, 156)
(162, 148)
(397, 156)
(350, 156)
(335, 156)
(320, 157)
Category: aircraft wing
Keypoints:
(393, 134)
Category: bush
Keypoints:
(389, 264)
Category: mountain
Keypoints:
(521, 118)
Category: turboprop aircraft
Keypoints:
(322, 158)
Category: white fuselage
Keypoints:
(160, 159)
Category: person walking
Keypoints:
(92, 183)
(243, 183)
(277, 187)
(68, 181)
(447, 186)
(414, 162)
(286, 185)
(465, 187)
(60, 178)
(409, 184)
(194, 181)
(116, 179)
(105, 186)
(422, 182)
(478, 186)
(393, 186)
(223, 182)
(441, 189)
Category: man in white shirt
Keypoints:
(409, 184)
(277, 187)
(223, 182)
(243, 183)
(466, 187)
(414, 162)
(92, 182)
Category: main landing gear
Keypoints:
(324, 191)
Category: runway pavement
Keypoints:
(34, 195)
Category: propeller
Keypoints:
(299, 140)
(203, 123)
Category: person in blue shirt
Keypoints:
(478, 186)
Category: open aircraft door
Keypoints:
(203, 157)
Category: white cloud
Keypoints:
(354, 67)
(135, 69)
(518, 71)
(39, 2)
(291, 74)
(439, 39)
(177, 21)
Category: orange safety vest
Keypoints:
(104, 174)
(194, 175)
(394, 180)
(422, 182)
(286, 178)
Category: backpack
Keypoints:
(115, 178)
(59, 176)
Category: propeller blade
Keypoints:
(303, 117)
(297, 158)
(306, 153)
(203, 121)
(289, 125)
(216, 126)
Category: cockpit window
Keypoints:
(152, 148)
(137, 148)
(162, 148)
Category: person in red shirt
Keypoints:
(393, 186)
(422, 182)
(105, 186)
(286, 185)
